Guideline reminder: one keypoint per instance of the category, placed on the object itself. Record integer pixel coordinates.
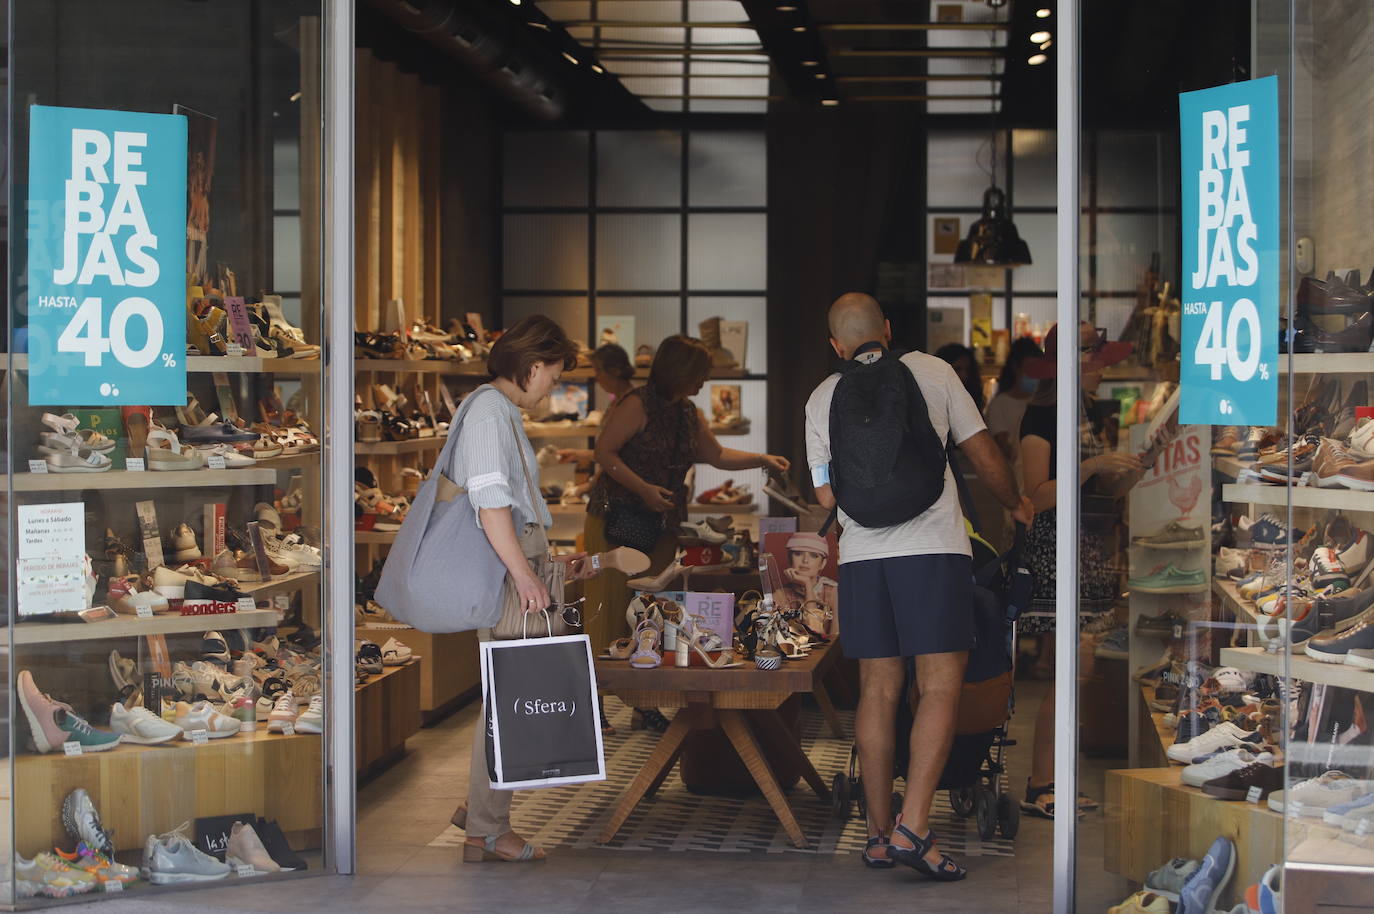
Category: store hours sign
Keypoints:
(107, 257)
(1230, 323)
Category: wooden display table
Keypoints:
(386, 713)
(741, 702)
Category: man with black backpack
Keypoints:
(876, 438)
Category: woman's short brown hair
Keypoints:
(613, 360)
(532, 340)
(681, 365)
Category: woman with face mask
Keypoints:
(1008, 405)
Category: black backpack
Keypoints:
(887, 465)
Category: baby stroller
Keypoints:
(973, 772)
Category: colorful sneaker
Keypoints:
(82, 822)
(203, 716)
(1334, 647)
(283, 713)
(1266, 531)
(1170, 579)
(1327, 570)
(1142, 903)
(103, 868)
(1169, 879)
(49, 876)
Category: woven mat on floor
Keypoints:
(677, 820)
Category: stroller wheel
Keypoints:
(1008, 816)
(985, 808)
(839, 795)
(961, 800)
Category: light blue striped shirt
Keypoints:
(486, 459)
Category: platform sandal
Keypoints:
(487, 853)
(877, 863)
(915, 856)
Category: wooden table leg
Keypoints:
(742, 738)
(655, 769)
(663, 775)
(828, 711)
(786, 740)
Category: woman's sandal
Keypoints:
(877, 863)
(915, 856)
(487, 853)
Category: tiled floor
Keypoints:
(402, 811)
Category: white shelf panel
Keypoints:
(1230, 597)
(1329, 363)
(1299, 666)
(1303, 496)
(210, 363)
(411, 446)
(296, 580)
(132, 627)
(123, 479)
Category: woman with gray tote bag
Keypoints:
(492, 460)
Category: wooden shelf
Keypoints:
(133, 627)
(1300, 666)
(280, 775)
(296, 580)
(1230, 597)
(1230, 466)
(294, 462)
(376, 679)
(1183, 821)
(123, 479)
(1303, 497)
(412, 446)
(566, 510)
(475, 369)
(202, 364)
(374, 537)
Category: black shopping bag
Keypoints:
(543, 722)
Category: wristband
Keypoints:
(820, 475)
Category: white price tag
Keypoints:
(144, 612)
(288, 728)
(71, 747)
(200, 737)
(1255, 794)
(245, 870)
(246, 605)
(134, 464)
(215, 461)
(113, 885)
(38, 466)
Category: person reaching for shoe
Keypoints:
(876, 440)
(1105, 476)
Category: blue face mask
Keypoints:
(1028, 384)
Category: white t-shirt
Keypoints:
(953, 414)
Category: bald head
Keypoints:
(855, 319)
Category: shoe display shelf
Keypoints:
(1182, 822)
(123, 479)
(396, 448)
(1299, 666)
(148, 790)
(386, 712)
(1302, 497)
(130, 627)
(230, 364)
(449, 672)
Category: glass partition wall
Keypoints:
(1222, 624)
(165, 414)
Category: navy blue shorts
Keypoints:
(907, 605)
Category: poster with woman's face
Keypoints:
(807, 569)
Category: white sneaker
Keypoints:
(1222, 736)
(312, 718)
(1223, 764)
(306, 557)
(1362, 439)
(394, 653)
(1232, 562)
(1230, 679)
(1318, 794)
(283, 713)
(207, 678)
(203, 716)
(141, 726)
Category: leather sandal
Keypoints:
(487, 853)
(915, 856)
(877, 863)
